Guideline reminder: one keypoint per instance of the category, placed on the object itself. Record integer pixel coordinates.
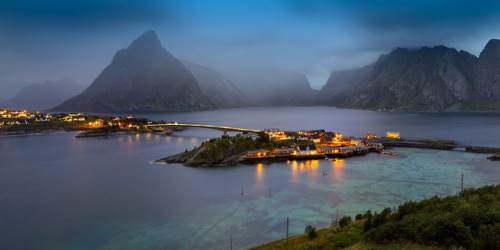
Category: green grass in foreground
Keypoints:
(469, 220)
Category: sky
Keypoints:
(49, 39)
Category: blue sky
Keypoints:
(45, 40)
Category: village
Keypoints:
(323, 144)
(24, 120)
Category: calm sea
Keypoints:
(58, 192)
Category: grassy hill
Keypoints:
(469, 220)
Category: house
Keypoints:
(329, 134)
(345, 150)
(329, 150)
(316, 138)
(302, 132)
(393, 135)
(370, 136)
(357, 142)
(253, 136)
(326, 140)
(276, 134)
(259, 153)
(303, 138)
(306, 150)
(285, 151)
(316, 132)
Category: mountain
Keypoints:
(43, 96)
(219, 90)
(142, 77)
(425, 79)
(274, 88)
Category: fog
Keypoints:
(46, 40)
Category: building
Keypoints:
(307, 150)
(276, 134)
(316, 138)
(357, 142)
(393, 135)
(345, 150)
(329, 150)
(252, 135)
(326, 140)
(370, 136)
(316, 132)
(259, 153)
(285, 151)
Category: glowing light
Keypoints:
(260, 174)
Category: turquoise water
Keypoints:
(58, 192)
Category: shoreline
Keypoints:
(190, 158)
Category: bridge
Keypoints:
(220, 128)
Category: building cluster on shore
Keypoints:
(10, 118)
(323, 144)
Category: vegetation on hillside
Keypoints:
(470, 220)
(228, 151)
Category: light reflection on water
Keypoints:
(260, 175)
(61, 192)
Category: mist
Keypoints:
(47, 40)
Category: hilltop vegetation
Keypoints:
(229, 151)
(470, 220)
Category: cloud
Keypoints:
(85, 14)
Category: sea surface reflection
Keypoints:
(58, 192)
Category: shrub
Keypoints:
(311, 232)
(358, 217)
(368, 224)
(345, 221)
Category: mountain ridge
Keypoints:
(43, 96)
(424, 79)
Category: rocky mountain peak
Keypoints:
(142, 77)
(147, 40)
(491, 51)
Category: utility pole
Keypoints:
(462, 185)
(286, 232)
(242, 190)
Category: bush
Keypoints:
(368, 224)
(358, 217)
(345, 221)
(311, 232)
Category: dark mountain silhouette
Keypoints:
(425, 79)
(142, 77)
(43, 96)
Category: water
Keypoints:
(58, 192)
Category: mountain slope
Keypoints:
(142, 77)
(43, 96)
(425, 79)
(221, 91)
(273, 88)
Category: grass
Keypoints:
(468, 220)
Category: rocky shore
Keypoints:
(227, 152)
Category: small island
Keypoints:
(274, 145)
